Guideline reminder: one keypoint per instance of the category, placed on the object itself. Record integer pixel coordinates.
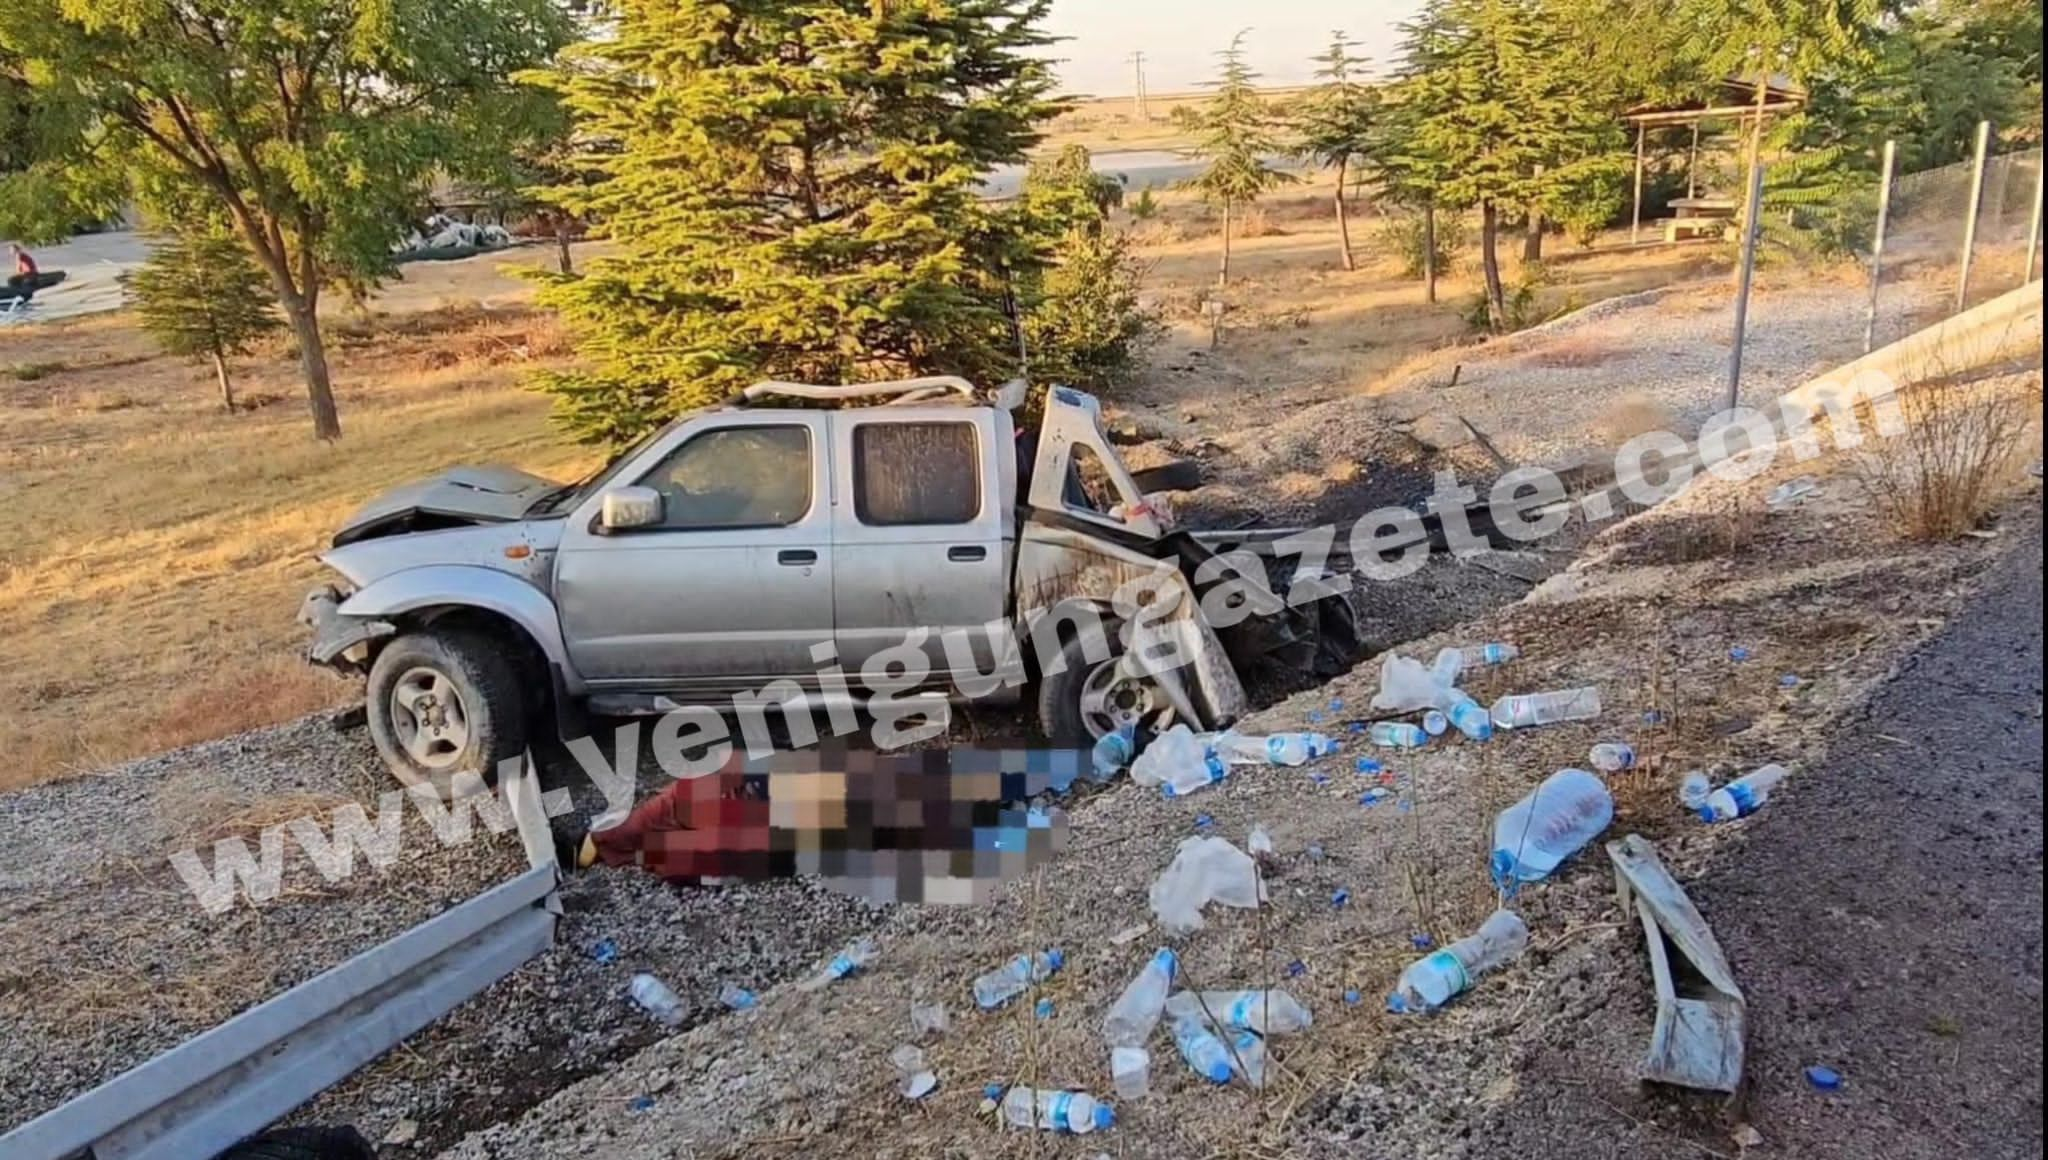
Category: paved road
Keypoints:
(1891, 928)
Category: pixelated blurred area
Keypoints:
(942, 826)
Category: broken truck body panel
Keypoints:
(755, 545)
(1697, 1040)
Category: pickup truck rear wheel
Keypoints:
(1088, 699)
(443, 706)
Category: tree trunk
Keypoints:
(1343, 222)
(1532, 238)
(1489, 260)
(562, 260)
(1429, 251)
(227, 390)
(1223, 270)
(300, 309)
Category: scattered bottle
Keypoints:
(1448, 666)
(1204, 870)
(929, 1020)
(1055, 1111)
(1437, 977)
(1694, 791)
(1470, 718)
(1259, 842)
(737, 998)
(1397, 735)
(1743, 796)
(855, 957)
(1614, 756)
(1015, 977)
(1203, 1051)
(654, 997)
(1249, 1059)
(1177, 758)
(1526, 709)
(1531, 837)
(1130, 1072)
(1113, 752)
(1271, 1012)
(1435, 723)
(1495, 653)
(1277, 749)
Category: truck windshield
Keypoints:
(569, 495)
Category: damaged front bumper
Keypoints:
(339, 642)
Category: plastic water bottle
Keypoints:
(1397, 735)
(1470, 718)
(1743, 796)
(1448, 666)
(1136, 1012)
(1203, 1051)
(1614, 756)
(1273, 1012)
(1526, 709)
(1558, 817)
(1015, 977)
(654, 997)
(1113, 752)
(1278, 749)
(1694, 791)
(737, 998)
(1496, 653)
(854, 957)
(1130, 1072)
(1076, 1112)
(1179, 763)
(1434, 979)
(1435, 723)
(1250, 1058)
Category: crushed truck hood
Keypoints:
(461, 495)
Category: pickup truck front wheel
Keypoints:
(443, 705)
(1089, 699)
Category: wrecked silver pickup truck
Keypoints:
(760, 543)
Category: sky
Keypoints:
(1180, 38)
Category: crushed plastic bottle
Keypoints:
(1015, 977)
(1203, 1051)
(856, 956)
(1530, 838)
(929, 1020)
(1470, 718)
(1743, 796)
(1204, 870)
(1526, 709)
(1113, 752)
(1248, 1057)
(1694, 790)
(737, 998)
(1270, 1012)
(1437, 977)
(1178, 762)
(1405, 686)
(1397, 735)
(1614, 756)
(1130, 1072)
(654, 997)
(1435, 723)
(1259, 842)
(915, 1080)
(1057, 1111)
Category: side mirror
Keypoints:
(630, 507)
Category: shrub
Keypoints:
(1402, 235)
(1961, 451)
(1146, 207)
(1087, 326)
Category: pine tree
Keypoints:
(1396, 162)
(795, 195)
(1337, 121)
(1236, 132)
(201, 296)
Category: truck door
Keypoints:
(921, 536)
(734, 585)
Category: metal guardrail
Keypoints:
(212, 1091)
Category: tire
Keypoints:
(1060, 698)
(432, 746)
(1337, 643)
(1178, 475)
(303, 1144)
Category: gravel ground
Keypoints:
(1818, 591)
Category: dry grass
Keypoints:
(157, 548)
(1963, 449)
(1578, 350)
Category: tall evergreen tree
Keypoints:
(796, 195)
(200, 296)
(1397, 162)
(1337, 120)
(1235, 132)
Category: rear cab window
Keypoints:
(916, 473)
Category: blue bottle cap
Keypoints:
(1340, 897)
(1370, 765)
(1503, 868)
(993, 1091)
(1055, 958)
(1825, 1079)
(1217, 1073)
(1044, 1009)
(1396, 1005)
(1105, 1117)
(1353, 998)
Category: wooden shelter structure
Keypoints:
(1737, 99)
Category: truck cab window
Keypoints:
(736, 477)
(910, 474)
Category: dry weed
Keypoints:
(241, 697)
(1257, 223)
(1962, 449)
(1578, 350)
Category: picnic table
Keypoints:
(1699, 216)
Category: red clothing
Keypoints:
(25, 265)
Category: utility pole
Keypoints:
(1138, 85)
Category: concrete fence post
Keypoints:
(1884, 213)
(1976, 205)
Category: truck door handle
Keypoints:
(966, 553)
(796, 557)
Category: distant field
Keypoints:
(1112, 123)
